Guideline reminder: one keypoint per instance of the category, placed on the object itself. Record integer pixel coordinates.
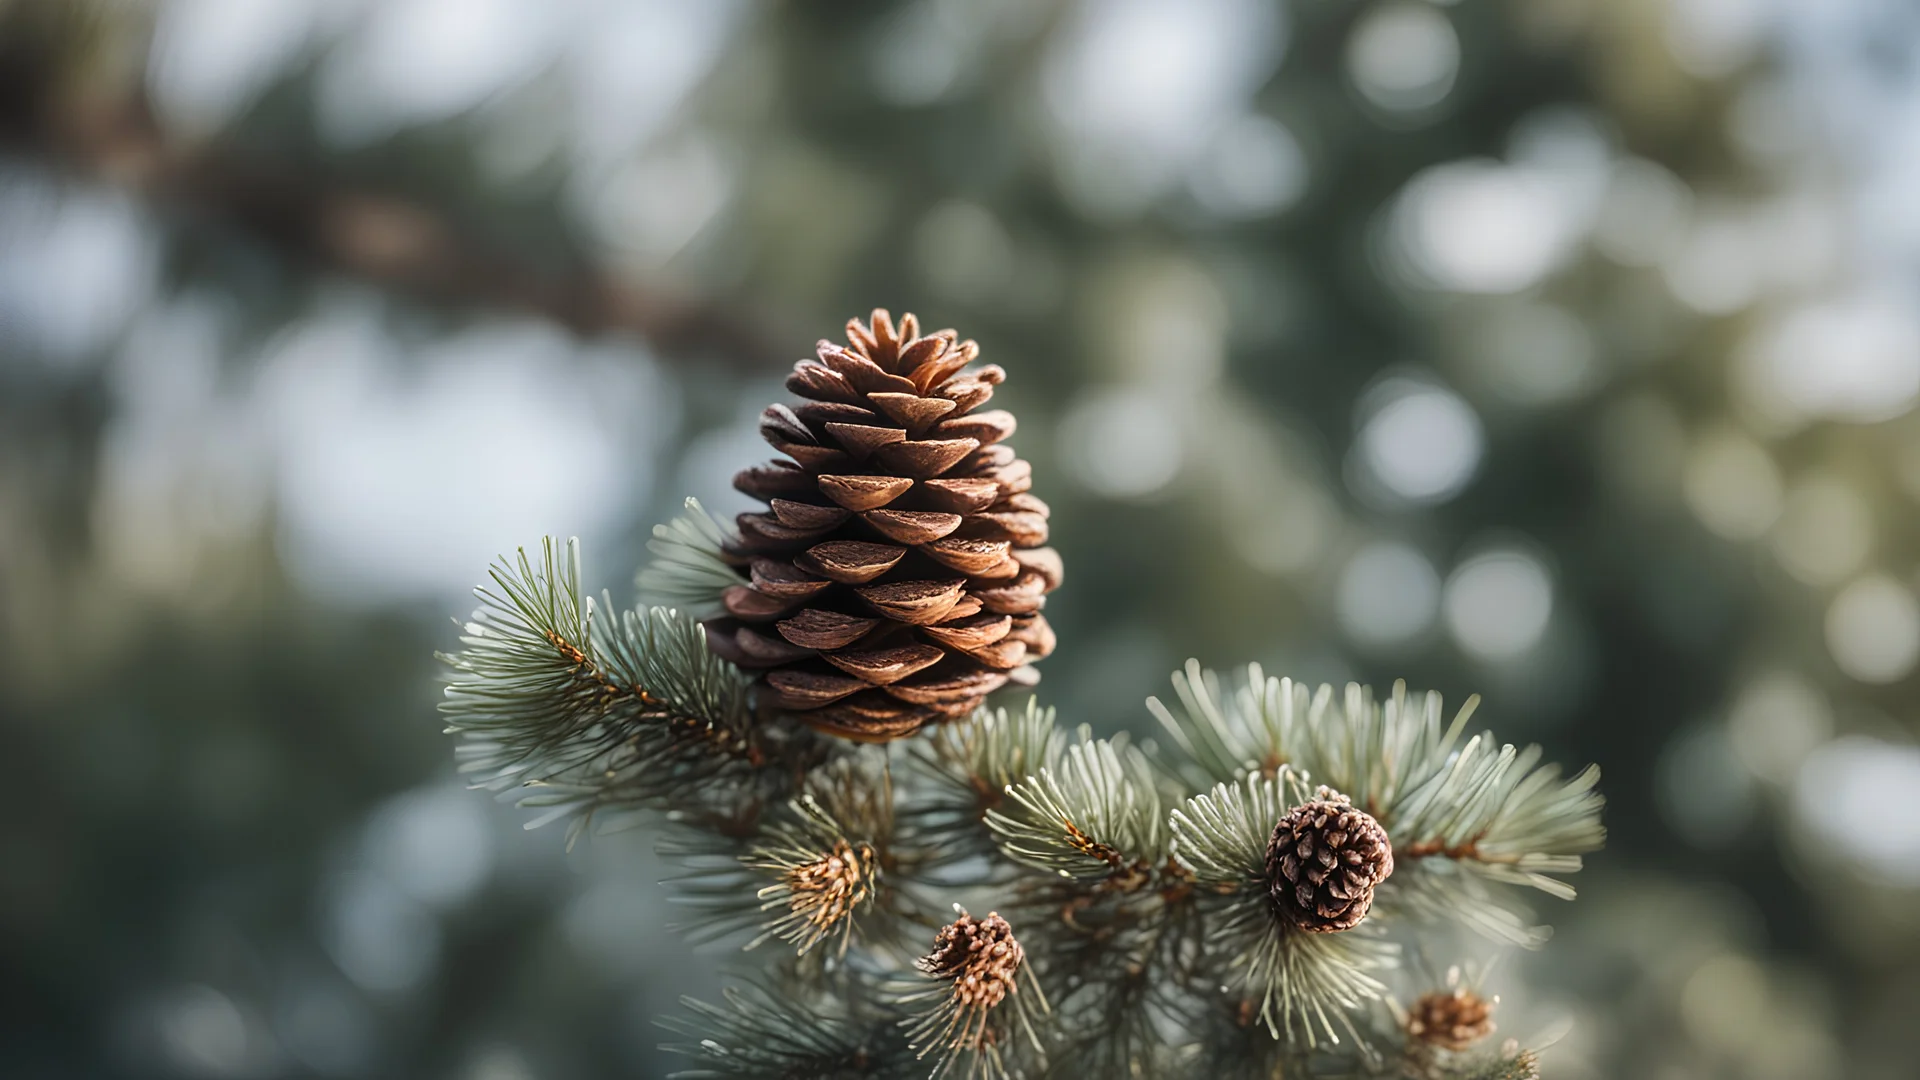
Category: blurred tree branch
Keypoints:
(57, 108)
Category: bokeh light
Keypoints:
(1858, 779)
(1732, 484)
(391, 477)
(1388, 595)
(1775, 721)
(1873, 629)
(1498, 604)
(204, 1033)
(1478, 226)
(1418, 441)
(1136, 87)
(1403, 57)
(965, 253)
(1855, 360)
(382, 939)
(1825, 531)
(1644, 215)
(1533, 354)
(1121, 443)
(74, 266)
(416, 61)
(1253, 168)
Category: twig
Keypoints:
(317, 222)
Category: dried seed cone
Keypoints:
(898, 573)
(1451, 1020)
(1323, 862)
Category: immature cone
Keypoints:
(898, 574)
(820, 895)
(1323, 862)
(1452, 1020)
(979, 956)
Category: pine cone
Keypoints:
(898, 575)
(1323, 862)
(979, 956)
(1454, 1020)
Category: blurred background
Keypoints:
(1564, 351)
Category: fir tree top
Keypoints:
(1242, 899)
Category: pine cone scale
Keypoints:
(882, 667)
(749, 604)
(913, 528)
(924, 459)
(818, 629)
(973, 632)
(861, 440)
(862, 493)
(916, 603)
(969, 556)
(784, 580)
(960, 687)
(1043, 561)
(986, 428)
(919, 352)
(1002, 655)
(814, 414)
(960, 494)
(912, 411)
(850, 562)
(807, 517)
(897, 572)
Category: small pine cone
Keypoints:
(1451, 1020)
(1323, 862)
(898, 574)
(979, 956)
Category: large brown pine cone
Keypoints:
(1323, 861)
(898, 574)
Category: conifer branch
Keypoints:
(963, 771)
(689, 571)
(758, 1032)
(1456, 811)
(1303, 985)
(1092, 815)
(811, 874)
(589, 719)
